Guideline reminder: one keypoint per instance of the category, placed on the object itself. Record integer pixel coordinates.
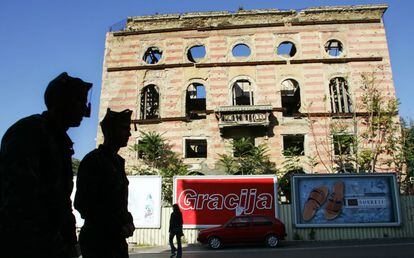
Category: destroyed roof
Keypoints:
(195, 20)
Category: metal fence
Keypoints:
(159, 236)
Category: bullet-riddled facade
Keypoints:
(204, 79)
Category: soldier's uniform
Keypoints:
(36, 217)
(102, 200)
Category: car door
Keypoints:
(236, 231)
(260, 227)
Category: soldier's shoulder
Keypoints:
(91, 156)
(29, 126)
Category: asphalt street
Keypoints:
(384, 248)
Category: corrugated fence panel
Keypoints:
(159, 236)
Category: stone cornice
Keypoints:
(252, 19)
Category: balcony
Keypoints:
(236, 116)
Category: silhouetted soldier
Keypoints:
(36, 181)
(102, 192)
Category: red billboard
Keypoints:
(212, 200)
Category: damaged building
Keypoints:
(204, 79)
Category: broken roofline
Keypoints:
(223, 18)
(346, 8)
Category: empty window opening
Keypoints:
(196, 53)
(195, 148)
(242, 93)
(343, 144)
(243, 147)
(293, 145)
(149, 102)
(339, 94)
(195, 105)
(152, 55)
(241, 50)
(290, 93)
(333, 47)
(286, 49)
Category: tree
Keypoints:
(291, 165)
(75, 165)
(159, 159)
(408, 156)
(247, 159)
(368, 139)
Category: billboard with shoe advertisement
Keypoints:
(207, 201)
(345, 200)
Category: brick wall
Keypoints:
(121, 88)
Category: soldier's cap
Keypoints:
(114, 119)
(63, 87)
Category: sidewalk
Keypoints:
(283, 244)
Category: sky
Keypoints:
(40, 39)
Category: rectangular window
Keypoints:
(196, 148)
(293, 145)
(261, 221)
(343, 144)
(239, 222)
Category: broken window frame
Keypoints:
(152, 55)
(245, 91)
(190, 153)
(336, 50)
(293, 149)
(195, 107)
(290, 97)
(236, 55)
(343, 150)
(292, 52)
(193, 59)
(149, 102)
(339, 95)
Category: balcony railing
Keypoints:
(257, 115)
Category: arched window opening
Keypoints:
(241, 50)
(196, 53)
(152, 55)
(333, 47)
(195, 105)
(290, 93)
(286, 49)
(339, 94)
(149, 102)
(242, 93)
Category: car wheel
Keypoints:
(272, 241)
(214, 242)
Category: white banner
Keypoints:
(144, 201)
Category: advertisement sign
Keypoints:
(144, 201)
(346, 200)
(212, 200)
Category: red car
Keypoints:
(244, 229)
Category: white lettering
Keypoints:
(189, 199)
